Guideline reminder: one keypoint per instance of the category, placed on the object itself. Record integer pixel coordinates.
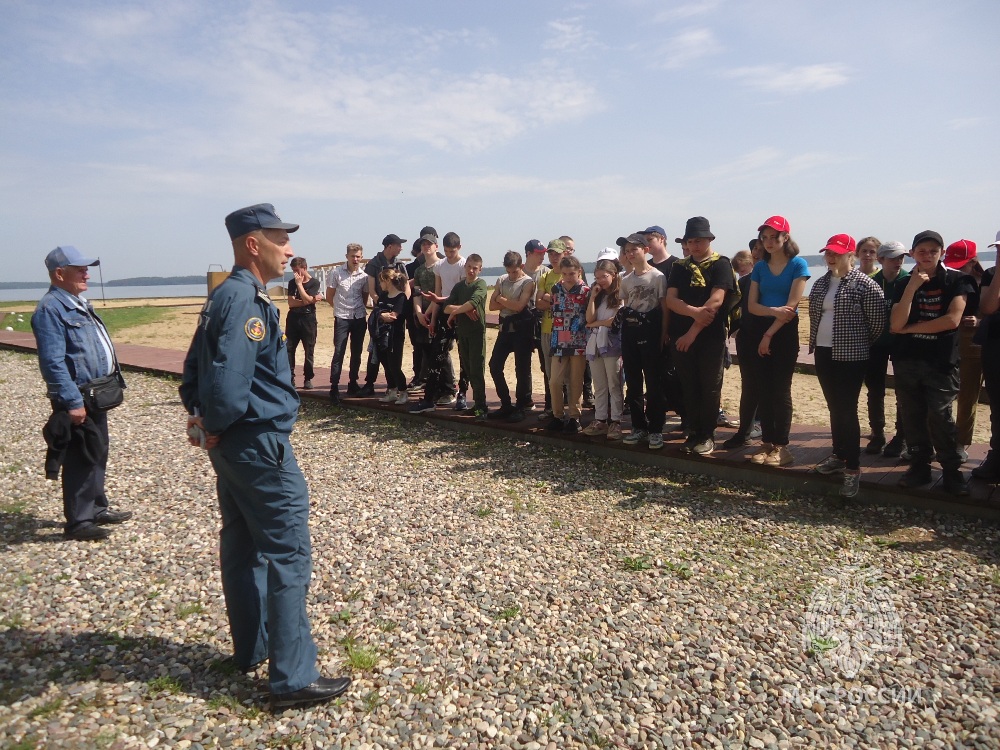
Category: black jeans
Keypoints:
(878, 366)
(82, 481)
(700, 372)
(773, 374)
(641, 358)
(841, 384)
(749, 385)
(344, 329)
(991, 375)
(925, 393)
(301, 328)
(521, 344)
(392, 363)
(436, 365)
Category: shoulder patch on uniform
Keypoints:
(254, 329)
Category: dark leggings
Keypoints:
(841, 384)
(773, 374)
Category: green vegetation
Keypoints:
(361, 658)
(46, 709)
(637, 564)
(165, 685)
(115, 318)
(186, 610)
(509, 613)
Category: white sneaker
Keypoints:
(390, 395)
(403, 398)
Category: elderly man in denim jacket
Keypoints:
(74, 348)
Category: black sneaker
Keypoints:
(555, 424)
(516, 416)
(502, 413)
(954, 483)
(460, 403)
(988, 470)
(421, 406)
(571, 425)
(894, 448)
(736, 441)
(875, 444)
(367, 392)
(334, 398)
(481, 414)
(352, 389)
(916, 476)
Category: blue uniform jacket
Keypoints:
(236, 371)
(70, 352)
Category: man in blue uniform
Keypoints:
(237, 386)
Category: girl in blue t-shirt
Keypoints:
(777, 283)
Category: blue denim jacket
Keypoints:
(70, 352)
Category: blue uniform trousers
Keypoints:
(83, 482)
(266, 555)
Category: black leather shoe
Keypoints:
(324, 689)
(988, 471)
(89, 533)
(366, 392)
(916, 476)
(954, 483)
(113, 516)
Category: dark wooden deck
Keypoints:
(809, 444)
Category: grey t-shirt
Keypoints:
(643, 293)
(513, 290)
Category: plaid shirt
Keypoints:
(859, 315)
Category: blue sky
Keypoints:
(131, 129)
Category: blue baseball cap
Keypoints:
(252, 218)
(652, 229)
(67, 255)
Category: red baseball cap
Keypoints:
(840, 244)
(777, 223)
(959, 253)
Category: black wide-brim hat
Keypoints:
(697, 226)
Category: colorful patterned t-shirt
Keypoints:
(569, 320)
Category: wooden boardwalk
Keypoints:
(809, 444)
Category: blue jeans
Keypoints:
(925, 393)
(266, 555)
(344, 329)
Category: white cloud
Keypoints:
(792, 80)
(569, 34)
(963, 123)
(686, 47)
(686, 10)
(771, 162)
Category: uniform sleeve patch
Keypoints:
(254, 329)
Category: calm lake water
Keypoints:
(112, 292)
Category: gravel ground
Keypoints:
(485, 593)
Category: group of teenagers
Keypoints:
(650, 334)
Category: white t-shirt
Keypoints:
(824, 334)
(450, 274)
(348, 301)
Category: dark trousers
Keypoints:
(841, 384)
(545, 374)
(344, 329)
(83, 482)
(641, 358)
(925, 393)
(392, 363)
(700, 372)
(301, 329)
(773, 374)
(750, 386)
(521, 345)
(420, 342)
(991, 374)
(472, 356)
(436, 363)
(266, 555)
(878, 367)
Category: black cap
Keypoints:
(428, 230)
(636, 238)
(927, 234)
(250, 219)
(392, 239)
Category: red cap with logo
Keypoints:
(777, 223)
(840, 244)
(959, 253)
